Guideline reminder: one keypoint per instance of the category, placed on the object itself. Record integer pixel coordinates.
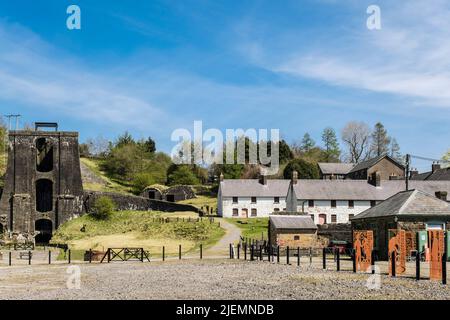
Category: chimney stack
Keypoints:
(441, 195)
(294, 177)
(435, 166)
(413, 172)
(263, 179)
(221, 177)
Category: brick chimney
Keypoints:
(435, 166)
(294, 177)
(441, 195)
(413, 172)
(375, 179)
(263, 179)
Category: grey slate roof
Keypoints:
(440, 174)
(335, 168)
(371, 162)
(361, 189)
(412, 202)
(253, 188)
(292, 222)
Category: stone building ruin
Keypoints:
(43, 187)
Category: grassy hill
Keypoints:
(139, 229)
(253, 228)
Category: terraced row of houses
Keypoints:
(335, 198)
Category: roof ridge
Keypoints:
(408, 201)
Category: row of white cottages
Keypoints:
(327, 201)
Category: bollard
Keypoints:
(10, 258)
(49, 257)
(252, 249)
(179, 252)
(90, 255)
(324, 258)
(287, 255)
(310, 255)
(278, 254)
(260, 253)
(418, 265)
(70, 256)
(338, 260)
(269, 252)
(230, 251)
(298, 256)
(201, 251)
(29, 257)
(444, 267)
(354, 259)
(239, 251)
(245, 251)
(142, 254)
(163, 253)
(372, 259)
(393, 263)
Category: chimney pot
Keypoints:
(263, 179)
(435, 166)
(294, 177)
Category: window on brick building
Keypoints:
(235, 200)
(254, 212)
(235, 212)
(253, 199)
(296, 237)
(333, 218)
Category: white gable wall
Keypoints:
(264, 206)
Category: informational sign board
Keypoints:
(363, 246)
(397, 250)
(437, 247)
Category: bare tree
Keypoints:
(356, 136)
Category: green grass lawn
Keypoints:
(138, 229)
(202, 201)
(254, 228)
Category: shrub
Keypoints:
(103, 208)
(305, 169)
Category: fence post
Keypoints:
(49, 257)
(229, 250)
(29, 257)
(278, 254)
(179, 252)
(393, 263)
(324, 258)
(201, 251)
(269, 252)
(260, 253)
(90, 255)
(163, 253)
(310, 255)
(298, 256)
(239, 251)
(109, 254)
(252, 252)
(245, 251)
(418, 265)
(338, 260)
(354, 259)
(444, 261)
(10, 257)
(287, 255)
(142, 254)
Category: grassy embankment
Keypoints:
(138, 229)
(254, 228)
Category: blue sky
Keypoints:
(150, 67)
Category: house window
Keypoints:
(235, 212)
(351, 204)
(254, 212)
(333, 203)
(253, 199)
(311, 203)
(333, 218)
(296, 237)
(235, 200)
(373, 203)
(276, 209)
(312, 217)
(276, 200)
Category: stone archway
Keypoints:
(44, 195)
(45, 229)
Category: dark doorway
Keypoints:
(152, 194)
(170, 198)
(44, 155)
(44, 226)
(44, 195)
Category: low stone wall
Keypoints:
(335, 231)
(130, 202)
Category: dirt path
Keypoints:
(232, 235)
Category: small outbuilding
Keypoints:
(292, 230)
(178, 193)
(154, 192)
(412, 211)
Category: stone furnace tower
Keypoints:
(43, 187)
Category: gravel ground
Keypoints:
(207, 279)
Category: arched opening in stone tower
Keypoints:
(1, 229)
(44, 195)
(44, 227)
(44, 156)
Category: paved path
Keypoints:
(232, 235)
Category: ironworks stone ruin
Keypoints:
(43, 187)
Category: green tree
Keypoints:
(182, 175)
(307, 143)
(124, 140)
(331, 144)
(102, 208)
(148, 145)
(380, 140)
(305, 169)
